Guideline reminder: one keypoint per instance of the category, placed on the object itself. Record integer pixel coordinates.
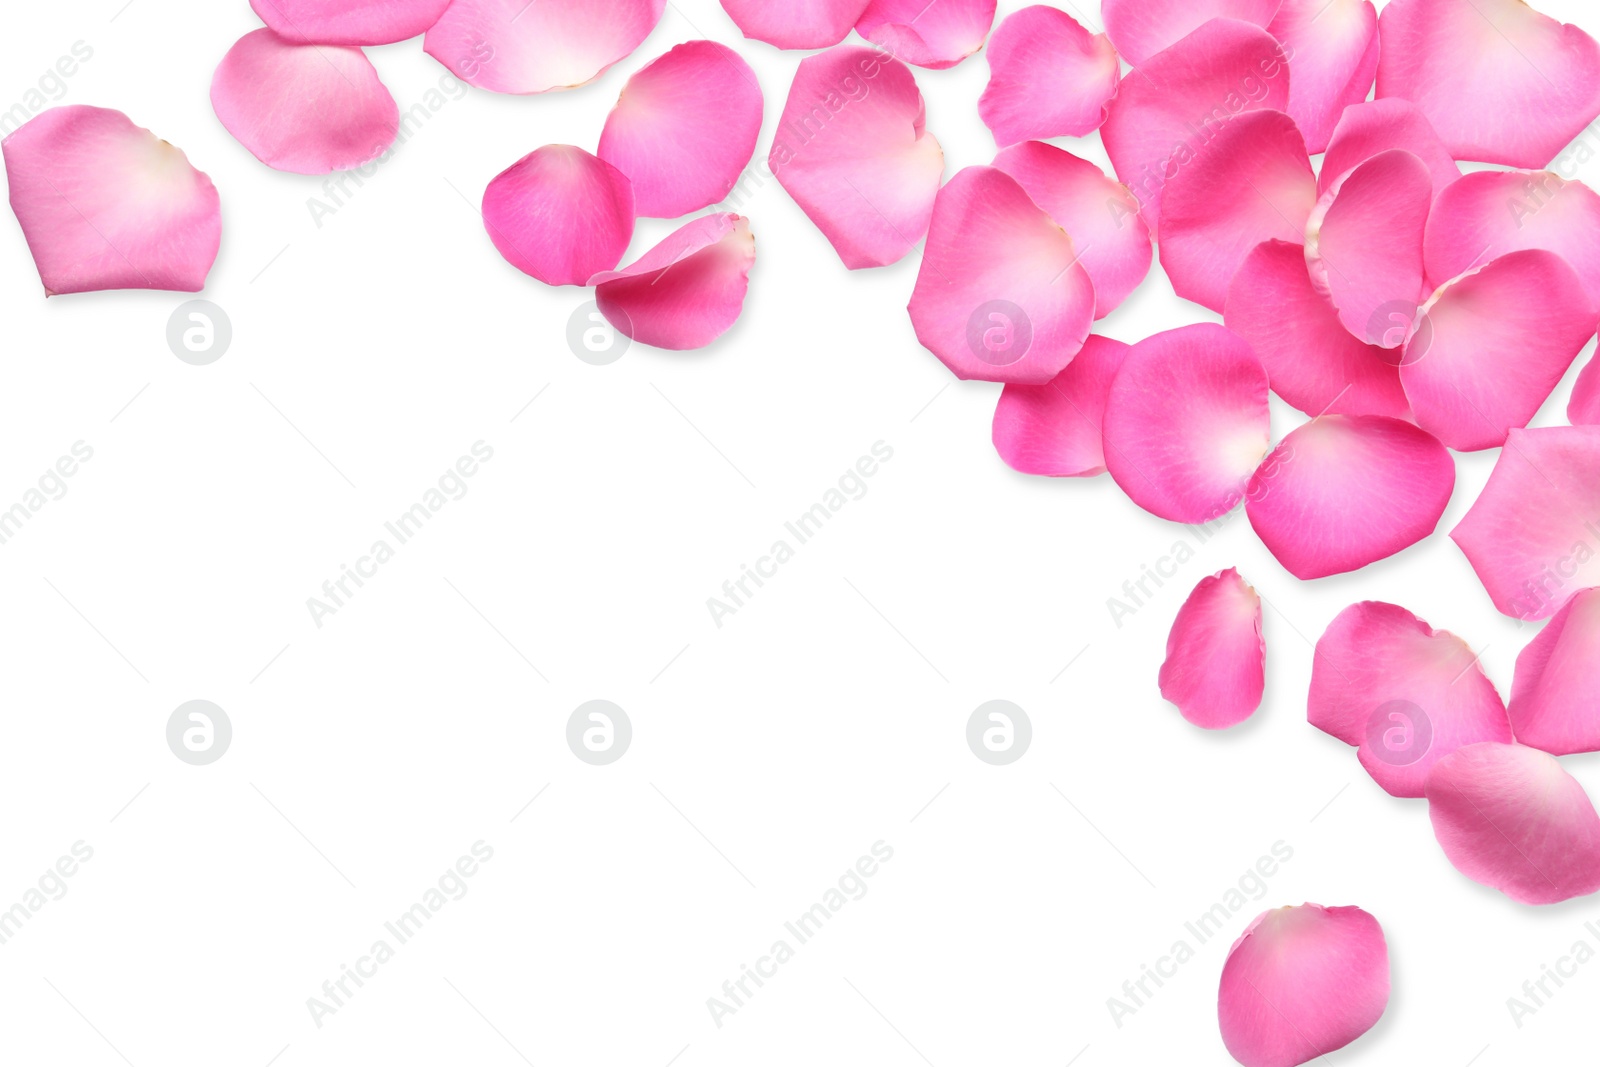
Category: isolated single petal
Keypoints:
(928, 33)
(514, 46)
(795, 23)
(1054, 429)
(1555, 701)
(1584, 407)
(1215, 670)
(686, 291)
(1048, 77)
(354, 22)
(560, 214)
(1334, 45)
(1377, 126)
(1141, 28)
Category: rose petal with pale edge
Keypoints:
(852, 150)
(1252, 182)
(1369, 129)
(1142, 28)
(1179, 98)
(1335, 48)
(1301, 982)
(1491, 345)
(1508, 817)
(306, 109)
(353, 22)
(1555, 701)
(1098, 212)
(1187, 423)
(795, 23)
(1215, 670)
(1584, 407)
(684, 128)
(105, 204)
(1054, 429)
(1048, 77)
(686, 291)
(560, 215)
(514, 46)
(928, 33)
(1501, 82)
(1001, 296)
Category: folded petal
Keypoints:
(1141, 28)
(1215, 671)
(1335, 48)
(354, 22)
(1510, 818)
(686, 291)
(684, 128)
(1302, 982)
(1584, 407)
(1369, 129)
(1492, 345)
(1252, 182)
(1501, 82)
(1099, 214)
(1555, 701)
(1054, 429)
(307, 109)
(1001, 296)
(928, 33)
(795, 23)
(1048, 77)
(1187, 423)
(852, 150)
(560, 214)
(518, 46)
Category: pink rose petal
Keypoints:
(1048, 77)
(1584, 407)
(795, 23)
(928, 33)
(1054, 429)
(1377, 126)
(514, 46)
(686, 291)
(352, 22)
(1141, 28)
(1555, 702)
(1335, 48)
(560, 215)
(1215, 671)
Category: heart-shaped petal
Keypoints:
(353, 22)
(1141, 28)
(1378, 126)
(927, 33)
(560, 215)
(796, 23)
(686, 291)
(1048, 77)
(536, 46)
(1215, 670)
(1334, 45)
(1555, 701)
(1054, 429)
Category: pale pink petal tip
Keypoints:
(513, 46)
(1509, 817)
(1555, 702)
(1584, 407)
(1367, 129)
(1054, 429)
(853, 151)
(1141, 28)
(1215, 671)
(686, 291)
(1048, 77)
(795, 23)
(106, 205)
(1302, 982)
(684, 128)
(353, 22)
(1335, 48)
(560, 215)
(928, 33)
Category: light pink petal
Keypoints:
(560, 214)
(1510, 818)
(852, 150)
(1099, 213)
(1054, 429)
(1334, 45)
(1301, 982)
(1141, 28)
(1344, 491)
(513, 46)
(684, 128)
(795, 23)
(1584, 407)
(1187, 422)
(105, 204)
(1178, 99)
(928, 33)
(1369, 129)
(686, 291)
(1555, 702)
(1048, 77)
(1501, 82)
(307, 109)
(354, 22)
(1001, 296)
(1491, 345)
(1251, 182)
(1215, 670)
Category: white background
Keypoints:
(768, 755)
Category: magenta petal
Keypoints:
(518, 46)
(1510, 818)
(928, 33)
(1302, 982)
(1054, 429)
(1215, 671)
(1584, 407)
(686, 291)
(1377, 126)
(1048, 77)
(353, 22)
(1555, 702)
(1334, 45)
(1141, 28)
(795, 23)
(560, 215)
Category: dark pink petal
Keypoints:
(1334, 45)
(1187, 422)
(1001, 296)
(1555, 702)
(1499, 81)
(684, 128)
(928, 33)
(1491, 345)
(686, 291)
(560, 215)
(1141, 28)
(1048, 77)
(1584, 407)
(1252, 182)
(852, 151)
(1098, 212)
(1054, 429)
(1510, 818)
(105, 204)
(1302, 982)
(1215, 671)
(795, 23)
(307, 109)
(1377, 126)
(354, 22)
(514, 46)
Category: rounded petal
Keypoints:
(1001, 296)
(1501, 82)
(1377, 126)
(1187, 422)
(1251, 182)
(1141, 28)
(686, 291)
(307, 109)
(795, 23)
(861, 165)
(1054, 429)
(1099, 213)
(1302, 982)
(1335, 48)
(1510, 818)
(514, 46)
(353, 22)
(928, 33)
(1048, 77)
(684, 128)
(1584, 407)
(560, 215)
(1555, 701)
(1215, 670)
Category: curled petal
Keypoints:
(686, 291)
(560, 215)
(1555, 701)
(1335, 48)
(353, 22)
(928, 33)
(795, 23)
(1054, 429)
(1377, 126)
(1048, 77)
(1584, 407)
(1215, 671)
(513, 46)
(1141, 28)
